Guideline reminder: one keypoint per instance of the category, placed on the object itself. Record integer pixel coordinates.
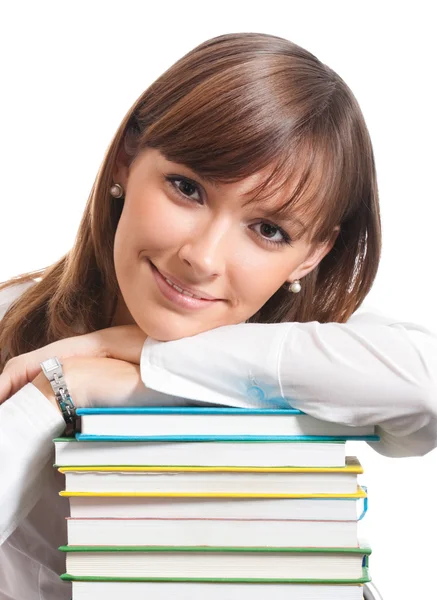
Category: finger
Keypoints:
(16, 375)
(32, 369)
(124, 342)
(5, 387)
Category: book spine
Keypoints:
(81, 437)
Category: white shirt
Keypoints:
(372, 369)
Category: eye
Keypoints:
(184, 187)
(272, 234)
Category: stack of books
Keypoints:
(191, 503)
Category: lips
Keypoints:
(182, 287)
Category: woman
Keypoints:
(235, 218)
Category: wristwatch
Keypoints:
(52, 369)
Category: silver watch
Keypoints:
(52, 369)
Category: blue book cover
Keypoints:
(187, 410)
(226, 436)
(83, 437)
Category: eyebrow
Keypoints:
(203, 178)
(290, 219)
(287, 218)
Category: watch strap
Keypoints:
(52, 369)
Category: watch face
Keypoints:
(50, 364)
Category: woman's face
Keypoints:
(228, 258)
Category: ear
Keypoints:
(121, 170)
(315, 255)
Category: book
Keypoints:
(211, 532)
(189, 423)
(213, 496)
(235, 564)
(165, 590)
(70, 452)
(210, 480)
(201, 494)
(140, 507)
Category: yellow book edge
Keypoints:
(360, 493)
(352, 466)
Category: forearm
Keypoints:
(30, 419)
(43, 385)
(366, 374)
(376, 372)
(28, 424)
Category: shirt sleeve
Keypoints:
(28, 424)
(371, 370)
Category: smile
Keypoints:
(181, 290)
(178, 295)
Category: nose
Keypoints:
(206, 248)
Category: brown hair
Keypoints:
(233, 105)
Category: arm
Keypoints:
(28, 423)
(30, 419)
(369, 370)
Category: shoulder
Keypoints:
(367, 315)
(12, 293)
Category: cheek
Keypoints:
(257, 277)
(149, 223)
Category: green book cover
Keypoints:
(356, 550)
(363, 579)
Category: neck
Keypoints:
(122, 315)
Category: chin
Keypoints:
(170, 329)
(167, 331)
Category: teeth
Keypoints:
(180, 290)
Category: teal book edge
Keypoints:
(219, 549)
(82, 437)
(335, 440)
(141, 410)
(364, 579)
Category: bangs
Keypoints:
(250, 128)
(305, 187)
(302, 184)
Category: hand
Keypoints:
(124, 343)
(98, 382)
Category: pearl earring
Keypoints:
(295, 287)
(116, 190)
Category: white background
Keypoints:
(70, 71)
